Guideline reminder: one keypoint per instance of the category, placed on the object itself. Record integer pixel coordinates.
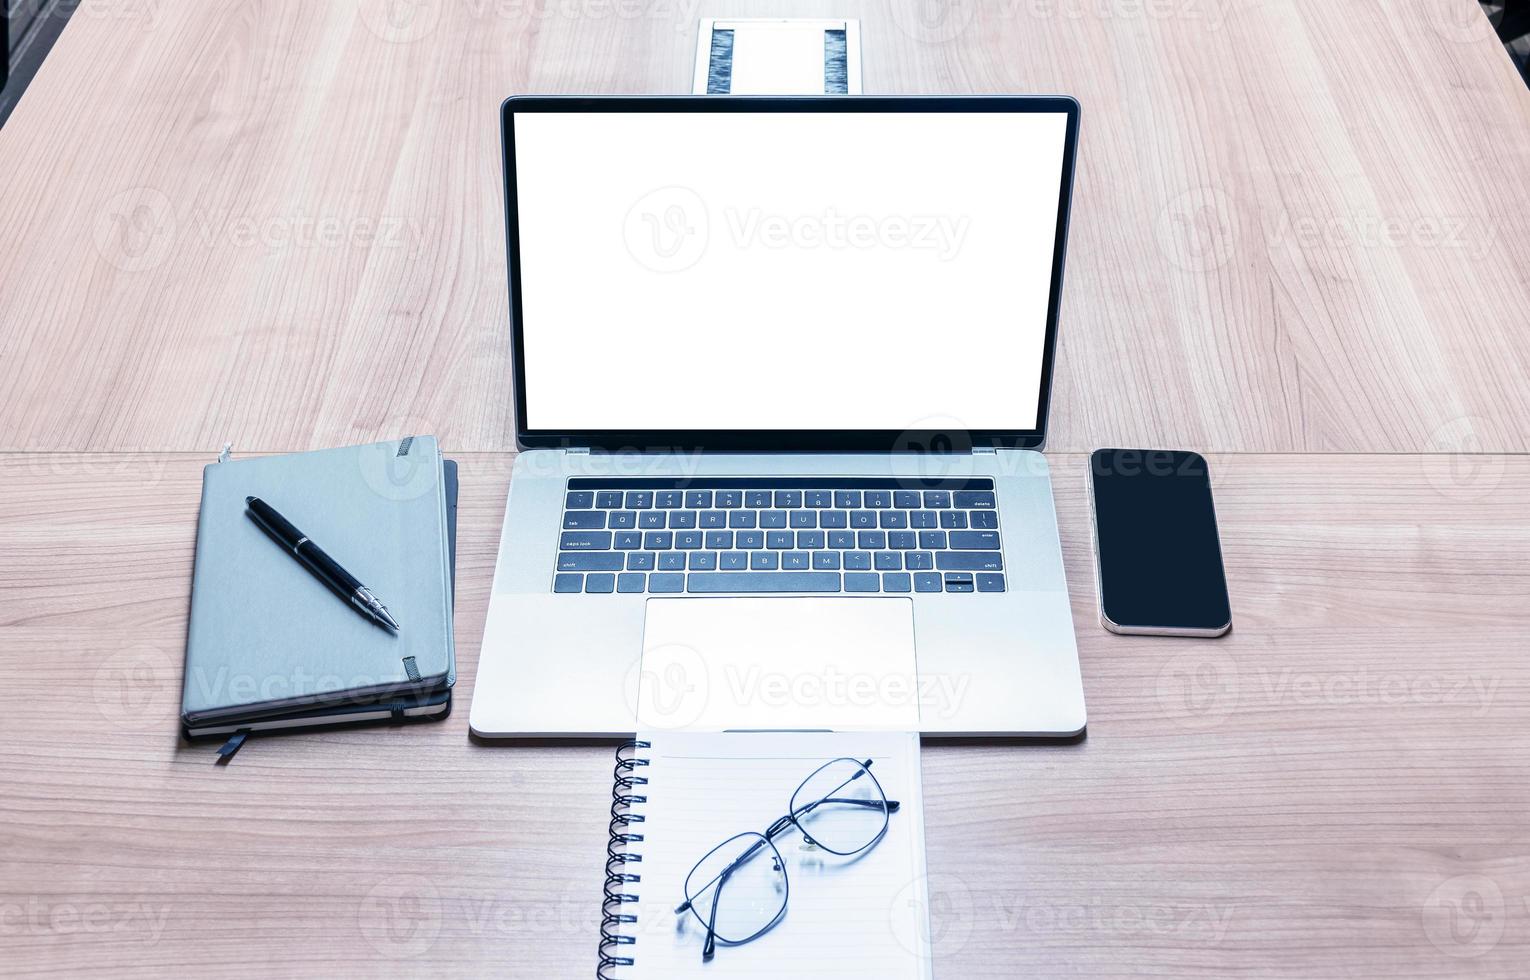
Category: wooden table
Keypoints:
(1300, 243)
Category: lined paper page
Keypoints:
(846, 916)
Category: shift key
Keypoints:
(585, 541)
(969, 561)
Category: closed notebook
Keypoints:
(266, 638)
(678, 795)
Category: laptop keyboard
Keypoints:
(745, 535)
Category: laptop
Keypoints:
(782, 371)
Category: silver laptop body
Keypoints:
(792, 349)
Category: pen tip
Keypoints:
(249, 500)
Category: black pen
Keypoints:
(324, 568)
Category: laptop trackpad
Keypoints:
(714, 664)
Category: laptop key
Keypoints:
(842, 540)
(971, 499)
(756, 499)
(906, 499)
(599, 582)
(608, 499)
(639, 500)
(579, 500)
(794, 561)
(763, 582)
(713, 518)
(719, 540)
(733, 561)
(817, 498)
(584, 541)
(741, 518)
(772, 518)
(584, 520)
(730, 499)
(750, 539)
(956, 519)
(990, 582)
(779, 540)
(650, 519)
(889, 561)
(703, 560)
(627, 540)
(937, 498)
(902, 540)
(668, 499)
(916, 561)
(671, 561)
(589, 561)
(788, 499)
(846, 499)
(974, 540)
(932, 540)
(658, 540)
(682, 518)
(986, 519)
(922, 519)
(639, 561)
(803, 518)
(878, 499)
(893, 518)
(857, 560)
(764, 561)
(568, 582)
(958, 582)
(623, 518)
(895, 582)
(927, 582)
(688, 540)
(826, 559)
(698, 498)
(870, 540)
(810, 540)
(666, 581)
(969, 561)
(630, 582)
(862, 581)
(833, 518)
(863, 518)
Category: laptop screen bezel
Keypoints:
(809, 440)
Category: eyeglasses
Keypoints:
(738, 892)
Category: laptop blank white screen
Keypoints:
(699, 270)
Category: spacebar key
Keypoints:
(762, 582)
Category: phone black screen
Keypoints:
(1160, 559)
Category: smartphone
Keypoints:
(1158, 558)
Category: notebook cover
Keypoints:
(265, 637)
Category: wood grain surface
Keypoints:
(1299, 243)
(1298, 226)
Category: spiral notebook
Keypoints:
(678, 795)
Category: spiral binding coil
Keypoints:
(619, 855)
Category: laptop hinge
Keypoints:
(985, 451)
(577, 450)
